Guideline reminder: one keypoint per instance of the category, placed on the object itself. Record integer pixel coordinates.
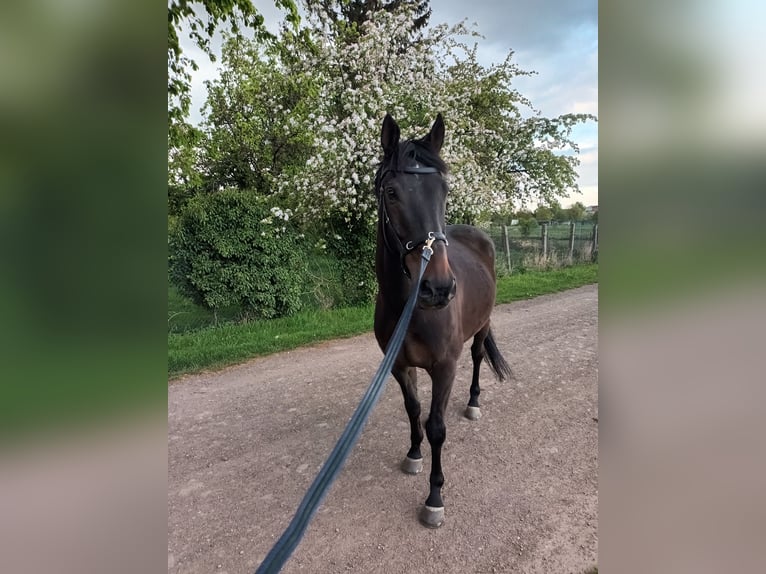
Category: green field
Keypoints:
(525, 252)
(196, 342)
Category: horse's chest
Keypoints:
(424, 347)
(418, 354)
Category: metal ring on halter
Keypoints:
(430, 238)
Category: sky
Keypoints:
(556, 39)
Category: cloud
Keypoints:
(557, 40)
(589, 157)
(541, 26)
(586, 107)
(588, 196)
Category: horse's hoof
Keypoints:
(412, 465)
(472, 413)
(431, 517)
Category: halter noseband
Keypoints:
(411, 245)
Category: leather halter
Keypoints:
(407, 248)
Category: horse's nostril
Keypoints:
(438, 294)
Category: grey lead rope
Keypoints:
(291, 537)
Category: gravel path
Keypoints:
(521, 490)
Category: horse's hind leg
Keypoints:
(472, 411)
(408, 381)
(432, 514)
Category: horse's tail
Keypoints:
(496, 361)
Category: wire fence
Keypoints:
(548, 245)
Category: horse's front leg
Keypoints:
(407, 378)
(442, 376)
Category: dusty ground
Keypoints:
(521, 483)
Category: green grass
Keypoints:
(210, 347)
(184, 315)
(534, 283)
(230, 343)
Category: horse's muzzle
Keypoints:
(436, 295)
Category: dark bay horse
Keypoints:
(455, 298)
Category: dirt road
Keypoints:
(521, 485)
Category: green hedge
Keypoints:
(231, 248)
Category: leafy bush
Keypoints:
(324, 285)
(527, 224)
(352, 245)
(229, 248)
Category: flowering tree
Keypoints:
(360, 73)
(203, 17)
(354, 12)
(302, 121)
(298, 122)
(254, 122)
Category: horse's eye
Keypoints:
(391, 192)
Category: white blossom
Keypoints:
(438, 74)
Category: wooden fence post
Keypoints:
(594, 243)
(571, 240)
(544, 237)
(507, 247)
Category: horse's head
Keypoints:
(412, 200)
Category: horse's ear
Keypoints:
(436, 136)
(389, 135)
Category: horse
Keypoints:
(455, 297)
